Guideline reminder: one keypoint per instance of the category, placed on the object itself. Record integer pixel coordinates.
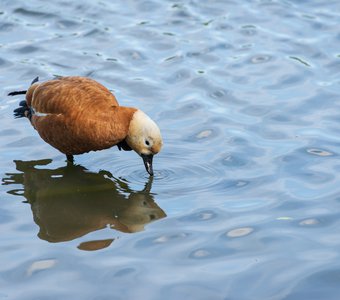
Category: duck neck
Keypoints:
(120, 118)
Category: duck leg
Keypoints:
(69, 158)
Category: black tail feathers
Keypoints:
(22, 111)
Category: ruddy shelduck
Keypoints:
(77, 114)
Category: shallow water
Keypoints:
(245, 202)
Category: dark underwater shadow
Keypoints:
(70, 202)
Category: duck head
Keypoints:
(145, 138)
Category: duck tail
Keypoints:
(23, 110)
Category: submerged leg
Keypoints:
(69, 158)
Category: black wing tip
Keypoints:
(36, 79)
(17, 93)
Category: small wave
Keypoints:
(171, 178)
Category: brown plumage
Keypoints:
(77, 115)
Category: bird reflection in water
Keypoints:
(70, 202)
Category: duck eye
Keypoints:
(147, 142)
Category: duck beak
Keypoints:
(147, 159)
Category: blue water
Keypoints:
(245, 202)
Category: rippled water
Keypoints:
(245, 202)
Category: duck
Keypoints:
(76, 115)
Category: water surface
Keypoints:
(245, 199)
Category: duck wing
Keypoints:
(69, 94)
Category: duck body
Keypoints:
(77, 114)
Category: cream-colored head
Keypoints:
(144, 137)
